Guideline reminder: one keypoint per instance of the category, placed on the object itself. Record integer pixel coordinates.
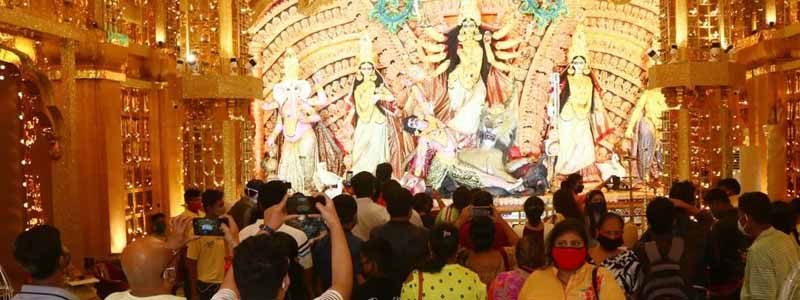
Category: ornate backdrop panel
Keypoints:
(326, 38)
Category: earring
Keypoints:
(571, 70)
(359, 77)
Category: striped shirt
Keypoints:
(769, 262)
(41, 292)
(303, 245)
(226, 294)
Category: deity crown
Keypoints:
(291, 66)
(365, 54)
(470, 9)
(578, 47)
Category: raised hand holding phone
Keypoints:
(275, 216)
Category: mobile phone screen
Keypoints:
(299, 204)
(207, 227)
(348, 177)
(481, 211)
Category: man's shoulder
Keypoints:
(299, 236)
(126, 295)
(250, 230)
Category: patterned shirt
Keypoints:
(626, 270)
(769, 262)
(452, 282)
(508, 284)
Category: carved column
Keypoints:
(684, 155)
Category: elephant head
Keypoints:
(295, 90)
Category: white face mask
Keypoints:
(741, 228)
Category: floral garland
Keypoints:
(546, 12)
(390, 16)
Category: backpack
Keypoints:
(662, 275)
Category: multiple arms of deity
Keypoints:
(505, 49)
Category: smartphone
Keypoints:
(299, 204)
(482, 211)
(207, 227)
(348, 177)
(429, 190)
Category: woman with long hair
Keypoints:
(567, 274)
(596, 207)
(484, 259)
(373, 111)
(611, 254)
(581, 120)
(441, 277)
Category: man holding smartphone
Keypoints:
(206, 255)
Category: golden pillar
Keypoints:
(725, 138)
(684, 127)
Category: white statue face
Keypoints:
(579, 63)
(469, 25)
(417, 124)
(366, 69)
(293, 90)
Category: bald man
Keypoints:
(149, 265)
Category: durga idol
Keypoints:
(581, 122)
(373, 114)
(474, 68)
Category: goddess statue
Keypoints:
(297, 116)
(645, 121)
(436, 143)
(473, 69)
(581, 122)
(373, 114)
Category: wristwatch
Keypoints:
(267, 229)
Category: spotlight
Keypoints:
(191, 59)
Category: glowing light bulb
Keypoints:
(191, 58)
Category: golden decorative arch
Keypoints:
(326, 42)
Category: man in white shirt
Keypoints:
(269, 195)
(260, 271)
(371, 214)
(149, 263)
(150, 268)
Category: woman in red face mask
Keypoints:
(567, 275)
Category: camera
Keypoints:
(482, 211)
(299, 204)
(208, 227)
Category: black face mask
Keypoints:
(608, 243)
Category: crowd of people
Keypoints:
(378, 241)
